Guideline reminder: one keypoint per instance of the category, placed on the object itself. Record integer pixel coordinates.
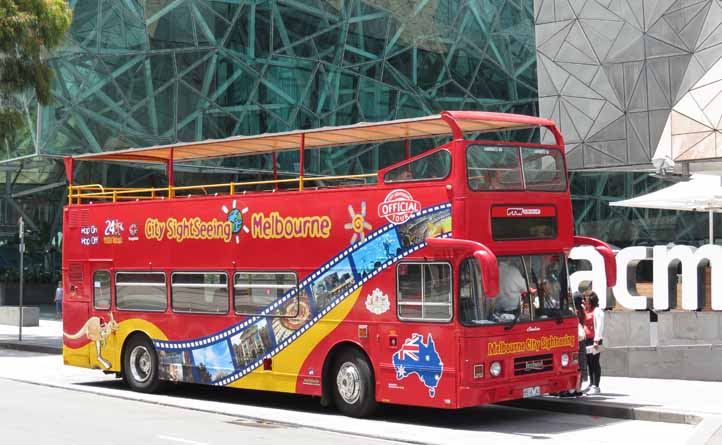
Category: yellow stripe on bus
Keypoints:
(287, 363)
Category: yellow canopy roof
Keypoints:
(448, 123)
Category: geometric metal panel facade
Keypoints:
(692, 131)
(610, 71)
(134, 74)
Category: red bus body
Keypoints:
(289, 345)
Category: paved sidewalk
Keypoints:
(675, 401)
(46, 338)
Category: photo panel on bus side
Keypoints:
(416, 230)
(176, 366)
(291, 316)
(332, 284)
(213, 362)
(252, 343)
(372, 255)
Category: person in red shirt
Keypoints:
(593, 329)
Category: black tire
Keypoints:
(140, 366)
(352, 384)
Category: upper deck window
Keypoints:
(491, 167)
(436, 165)
(543, 169)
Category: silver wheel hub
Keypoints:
(140, 364)
(348, 382)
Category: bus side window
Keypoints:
(253, 291)
(424, 291)
(141, 291)
(101, 290)
(199, 292)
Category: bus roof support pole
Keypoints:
(407, 148)
(171, 179)
(275, 171)
(300, 167)
(68, 161)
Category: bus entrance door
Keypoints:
(103, 327)
(75, 315)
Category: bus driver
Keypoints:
(512, 287)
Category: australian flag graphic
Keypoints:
(417, 357)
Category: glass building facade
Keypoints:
(138, 73)
(154, 72)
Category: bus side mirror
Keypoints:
(490, 272)
(610, 262)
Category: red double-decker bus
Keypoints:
(438, 281)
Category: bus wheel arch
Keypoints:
(140, 362)
(349, 380)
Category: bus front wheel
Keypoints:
(140, 365)
(353, 384)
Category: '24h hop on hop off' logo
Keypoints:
(398, 206)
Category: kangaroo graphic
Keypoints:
(95, 330)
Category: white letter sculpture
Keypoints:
(665, 263)
(625, 291)
(596, 275)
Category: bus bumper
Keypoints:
(513, 390)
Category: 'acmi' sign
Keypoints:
(665, 261)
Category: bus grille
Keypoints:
(533, 364)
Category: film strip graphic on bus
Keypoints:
(228, 355)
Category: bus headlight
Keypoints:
(495, 369)
(565, 360)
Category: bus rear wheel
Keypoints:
(140, 365)
(353, 384)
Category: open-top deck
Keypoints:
(454, 124)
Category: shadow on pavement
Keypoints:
(490, 418)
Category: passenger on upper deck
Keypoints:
(495, 180)
(400, 175)
(405, 174)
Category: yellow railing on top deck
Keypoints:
(79, 194)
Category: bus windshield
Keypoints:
(492, 167)
(531, 288)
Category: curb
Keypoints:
(606, 409)
(20, 346)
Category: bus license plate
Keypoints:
(532, 391)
